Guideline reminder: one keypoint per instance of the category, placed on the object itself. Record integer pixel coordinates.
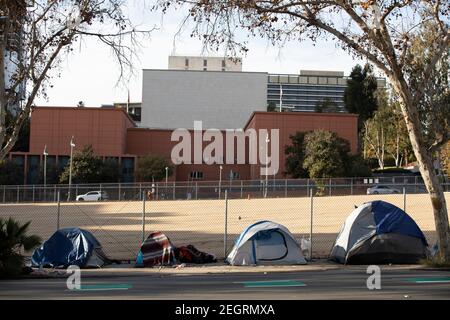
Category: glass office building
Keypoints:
(304, 91)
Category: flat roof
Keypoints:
(88, 109)
(210, 71)
(307, 114)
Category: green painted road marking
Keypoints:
(429, 280)
(273, 283)
(104, 287)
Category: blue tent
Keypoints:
(379, 232)
(68, 247)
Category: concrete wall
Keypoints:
(222, 100)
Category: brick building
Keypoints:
(113, 134)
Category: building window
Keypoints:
(33, 169)
(127, 170)
(196, 175)
(63, 161)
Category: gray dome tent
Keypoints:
(378, 232)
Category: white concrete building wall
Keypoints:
(222, 100)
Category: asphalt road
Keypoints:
(331, 284)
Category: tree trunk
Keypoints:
(424, 159)
(3, 100)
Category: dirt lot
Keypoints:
(118, 225)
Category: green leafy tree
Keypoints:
(89, 168)
(153, 167)
(271, 107)
(434, 105)
(360, 97)
(385, 135)
(10, 173)
(295, 155)
(326, 154)
(327, 105)
(13, 241)
(356, 166)
(445, 159)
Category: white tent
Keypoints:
(266, 242)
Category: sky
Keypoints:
(90, 74)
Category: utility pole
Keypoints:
(267, 166)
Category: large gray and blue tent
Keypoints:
(378, 232)
(67, 247)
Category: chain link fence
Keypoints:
(196, 190)
(210, 225)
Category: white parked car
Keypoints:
(93, 196)
(382, 190)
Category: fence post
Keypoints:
(330, 186)
(173, 190)
(140, 191)
(404, 199)
(18, 193)
(120, 191)
(33, 192)
(311, 226)
(242, 188)
(4, 194)
(196, 190)
(351, 187)
(285, 188)
(307, 187)
(58, 213)
(415, 184)
(143, 216)
(225, 236)
(54, 195)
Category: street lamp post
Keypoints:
(220, 181)
(167, 178)
(45, 153)
(72, 145)
(267, 165)
(45, 171)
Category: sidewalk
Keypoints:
(127, 270)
